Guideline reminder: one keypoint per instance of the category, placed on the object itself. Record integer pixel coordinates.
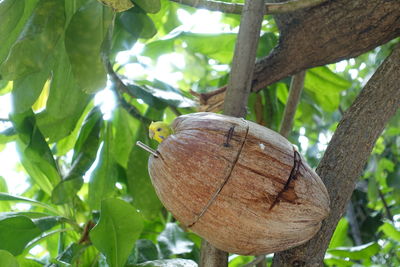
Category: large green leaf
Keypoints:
(150, 6)
(167, 263)
(36, 156)
(207, 44)
(356, 253)
(83, 40)
(325, 87)
(125, 130)
(103, 179)
(65, 98)
(16, 232)
(117, 231)
(139, 183)
(37, 42)
(7, 259)
(137, 23)
(11, 12)
(8, 197)
(173, 240)
(27, 89)
(84, 155)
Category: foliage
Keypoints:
(90, 200)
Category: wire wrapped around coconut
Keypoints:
(237, 184)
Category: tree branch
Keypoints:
(237, 94)
(349, 28)
(120, 88)
(241, 77)
(296, 87)
(234, 8)
(347, 153)
(385, 205)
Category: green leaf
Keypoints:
(267, 42)
(117, 231)
(37, 42)
(340, 237)
(207, 44)
(83, 41)
(150, 6)
(66, 101)
(325, 87)
(210, 45)
(7, 259)
(118, 5)
(103, 179)
(8, 197)
(11, 12)
(71, 253)
(163, 92)
(27, 89)
(16, 232)
(167, 263)
(146, 250)
(173, 240)
(390, 231)
(84, 155)
(36, 156)
(137, 23)
(4, 206)
(139, 183)
(356, 253)
(24, 262)
(123, 142)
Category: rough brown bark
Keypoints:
(347, 154)
(328, 33)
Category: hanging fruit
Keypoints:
(241, 186)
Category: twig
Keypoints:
(296, 87)
(233, 8)
(388, 212)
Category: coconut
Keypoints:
(241, 186)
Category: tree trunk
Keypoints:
(347, 154)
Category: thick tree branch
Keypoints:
(296, 87)
(234, 8)
(237, 94)
(347, 154)
(324, 34)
